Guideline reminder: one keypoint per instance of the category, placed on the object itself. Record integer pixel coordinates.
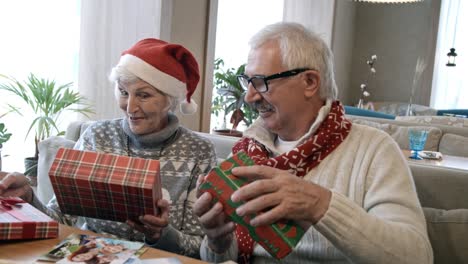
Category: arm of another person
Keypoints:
(188, 242)
(17, 185)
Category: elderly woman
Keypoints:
(150, 78)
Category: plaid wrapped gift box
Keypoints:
(278, 239)
(105, 186)
(20, 220)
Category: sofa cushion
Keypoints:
(400, 133)
(455, 145)
(448, 233)
(436, 120)
(47, 150)
(222, 144)
(401, 136)
(389, 129)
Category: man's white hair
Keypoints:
(301, 48)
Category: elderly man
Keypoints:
(348, 184)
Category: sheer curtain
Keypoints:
(108, 27)
(39, 37)
(315, 15)
(450, 85)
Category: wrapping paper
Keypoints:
(20, 220)
(105, 186)
(278, 239)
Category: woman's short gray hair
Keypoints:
(119, 73)
(301, 48)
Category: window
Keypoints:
(40, 37)
(450, 86)
(237, 21)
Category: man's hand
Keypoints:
(217, 228)
(15, 184)
(153, 225)
(279, 195)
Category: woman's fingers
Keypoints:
(203, 204)
(152, 220)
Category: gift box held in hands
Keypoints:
(278, 239)
(105, 186)
(20, 220)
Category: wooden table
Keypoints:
(27, 251)
(454, 162)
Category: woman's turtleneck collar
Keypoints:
(156, 139)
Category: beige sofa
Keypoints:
(442, 192)
(447, 139)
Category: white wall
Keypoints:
(398, 35)
(189, 28)
(342, 46)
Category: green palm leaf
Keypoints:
(230, 94)
(47, 100)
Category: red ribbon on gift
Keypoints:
(8, 202)
(29, 227)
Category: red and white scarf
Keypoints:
(298, 161)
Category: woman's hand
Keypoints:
(15, 184)
(217, 228)
(279, 195)
(153, 225)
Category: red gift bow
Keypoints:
(9, 202)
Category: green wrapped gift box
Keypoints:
(279, 238)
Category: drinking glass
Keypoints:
(417, 140)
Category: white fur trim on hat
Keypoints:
(160, 80)
(188, 108)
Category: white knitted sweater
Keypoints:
(374, 214)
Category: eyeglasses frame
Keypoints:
(265, 79)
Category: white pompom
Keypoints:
(187, 108)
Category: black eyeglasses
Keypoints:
(260, 82)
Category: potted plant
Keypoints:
(4, 137)
(230, 98)
(47, 100)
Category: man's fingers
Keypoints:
(259, 204)
(269, 217)
(254, 189)
(255, 172)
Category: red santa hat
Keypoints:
(170, 68)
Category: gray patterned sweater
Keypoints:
(183, 156)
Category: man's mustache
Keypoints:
(262, 106)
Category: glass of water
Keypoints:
(417, 140)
